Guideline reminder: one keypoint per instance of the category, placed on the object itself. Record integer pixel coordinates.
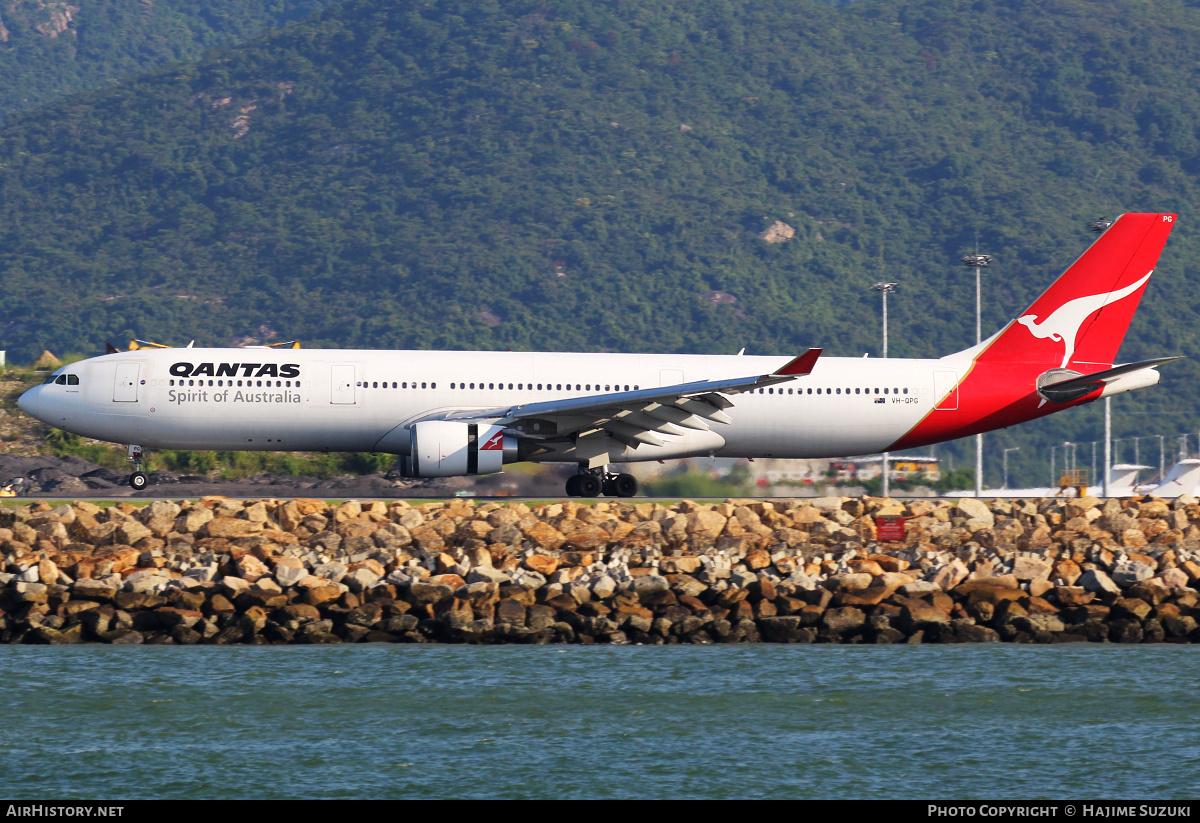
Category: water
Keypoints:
(952, 722)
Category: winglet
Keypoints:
(799, 366)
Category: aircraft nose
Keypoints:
(30, 402)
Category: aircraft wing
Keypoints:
(635, 417)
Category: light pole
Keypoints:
(884, 290)
(1006, 451)
(1093, 475)
(1099, 226)
(1162, 457)
(978, 262)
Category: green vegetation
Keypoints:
(49, 48)
(693, 484)
(571, 175)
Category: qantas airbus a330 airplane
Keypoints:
(464, 413)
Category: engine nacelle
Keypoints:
(444, 448)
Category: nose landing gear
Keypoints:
(594, 482)
(138, 480)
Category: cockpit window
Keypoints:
(62, 380)
(72, 380)
(52, 378)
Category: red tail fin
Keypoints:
(1080, 321)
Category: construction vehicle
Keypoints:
(17, 487)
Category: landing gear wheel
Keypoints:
(588, 485)
(623, 485)
(138, 480)
(573, 485)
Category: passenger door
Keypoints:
(945, 390)
(125, 389)
(343, 385)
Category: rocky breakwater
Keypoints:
(223, 571)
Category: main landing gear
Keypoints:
(594, 482)
(138, 480)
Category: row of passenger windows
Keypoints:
(375, 384)
(248, 383)
(73, 380)
(548, 387)
(834, 391)
(372, 384)
(608, 387)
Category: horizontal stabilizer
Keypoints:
(1073, 388)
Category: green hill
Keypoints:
(595, 175)
(50, 48)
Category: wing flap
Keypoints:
(634, 418)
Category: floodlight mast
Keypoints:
(978, 262)
(884, 290)
(1099, 226)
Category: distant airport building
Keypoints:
(922, 469)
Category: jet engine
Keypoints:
(444, 448)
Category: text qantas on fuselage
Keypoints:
(463, 413)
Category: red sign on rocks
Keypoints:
(890, 528)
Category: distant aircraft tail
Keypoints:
(1079, 322)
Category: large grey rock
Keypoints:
(580, 591)
(645, 584)
(290, 575)
(1130, 572)
(202, 574)
(978, 515)
(234, 586)
(949, 575)
(422, 594)
(360, 579)
(826, 504)
(843, 620)
(603, 587)
(160, 508)
(1031, 568)
(29, 575)
(1173, 578)
(487, 574)
(146, 583)
(741, 578)
(918, 588)
(93, 589)
(1039, 622)
(332, 571)
(1095, 580)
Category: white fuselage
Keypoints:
(362, 400)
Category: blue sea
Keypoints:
(943, 722)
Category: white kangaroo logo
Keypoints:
(1062, 326)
